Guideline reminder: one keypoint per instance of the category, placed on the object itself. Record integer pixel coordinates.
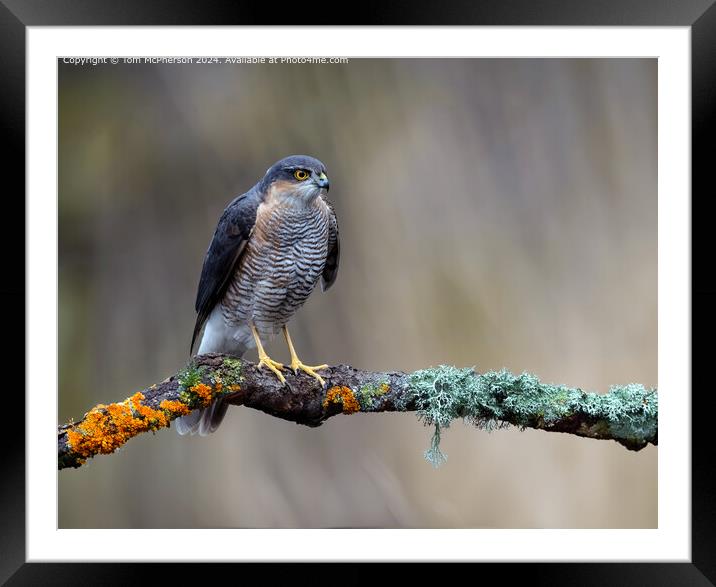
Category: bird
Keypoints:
(271, 246)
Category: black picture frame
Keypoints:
(699, 15)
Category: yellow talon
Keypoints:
(273, 366)
(265, 360)
(296, 363)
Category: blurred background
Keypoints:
(493, 213)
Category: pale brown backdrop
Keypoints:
(493, 212)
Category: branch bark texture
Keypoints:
(627, 414)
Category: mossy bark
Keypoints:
(627, 414)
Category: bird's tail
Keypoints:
(206, 420)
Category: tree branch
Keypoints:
(627, 414)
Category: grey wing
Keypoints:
(330, 270)
(229, 241)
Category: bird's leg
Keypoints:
(296, 363)
(264, 359)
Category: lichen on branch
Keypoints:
(439, 395)
(627, 414)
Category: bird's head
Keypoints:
(297, 180)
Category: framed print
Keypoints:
(512, 200)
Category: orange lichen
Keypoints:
(203, 391)
(234, 387)
(175, 408)
(343, 395)
(156, 418)
(106, 428)
(218, 385)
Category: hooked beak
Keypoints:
(322, 182)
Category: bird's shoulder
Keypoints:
(232, 232)
(233, 229)
(239, 216)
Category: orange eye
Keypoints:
(300, 174)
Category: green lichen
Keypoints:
(370, 391)
(434, 455)
(189, 377)
(441, 394)
(491, 399)
(198, 385)
(524, 399)
(631, 411)
(229, 373)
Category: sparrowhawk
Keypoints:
(270, 248)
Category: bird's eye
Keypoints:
(300, 174)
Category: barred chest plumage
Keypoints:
(282, 264)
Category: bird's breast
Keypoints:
(285, 234)
(283, 262)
